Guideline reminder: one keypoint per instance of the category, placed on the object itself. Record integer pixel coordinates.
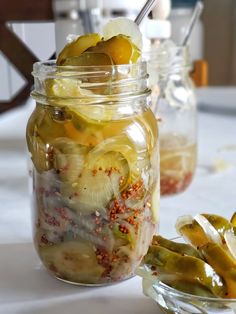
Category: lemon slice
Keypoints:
(124, 26)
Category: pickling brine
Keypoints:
(93, 142)
(177, 163)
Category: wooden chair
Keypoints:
(13, 48)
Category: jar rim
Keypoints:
(93, 83)
(176, 57)
(50, 69)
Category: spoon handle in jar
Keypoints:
(196, 14)
(148, 6)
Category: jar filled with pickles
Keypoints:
(93, 142)
(174, 104)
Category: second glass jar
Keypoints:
(174, 104)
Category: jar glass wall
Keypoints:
(93, 141)
(174, 104)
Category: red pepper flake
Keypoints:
(98, 230)
(123, 229)
(103, 259)
(130, 220)
(134, 191)
(50, 154)
(111, 170)
(41, 190)
(51, 220)
(121, 180)
(117, 208)
(170, 185)
(68, 256)
(44, 239)
(114, 258)
(62, 212)
(97, 221)
(94, 172)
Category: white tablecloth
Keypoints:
(26, 288)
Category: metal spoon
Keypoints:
(148, 6)
(195, 16)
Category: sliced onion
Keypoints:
(230, 240)
(71, 37)
(183, 221)
(124, 26)
(210, 231)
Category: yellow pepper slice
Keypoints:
(223, 264)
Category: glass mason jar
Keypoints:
(174, 104)
(93, 142)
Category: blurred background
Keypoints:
(34, 30)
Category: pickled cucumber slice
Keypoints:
(192, 232)
(155, 203)
(75, 261)
(90, 193)
(89, 59)
(77, 47)
(223, 264)
(197, 236)
(120, 49)
(233, 219)
(68, 159)
(113, 163)
(230, 240)
(219, 223)
(38, 134)
(120, 144)
(103, 177)
(191, 288)
(65, 88)
(40, 156)
(210, 231)
(180, 248)
(81, 132)
(187, 268)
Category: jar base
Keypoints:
(93, 284)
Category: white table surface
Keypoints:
(26, 288)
